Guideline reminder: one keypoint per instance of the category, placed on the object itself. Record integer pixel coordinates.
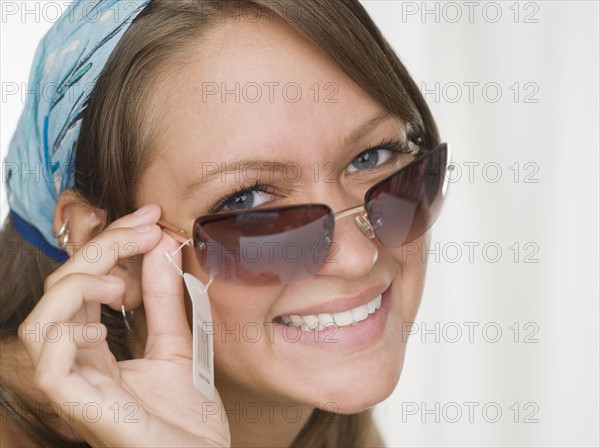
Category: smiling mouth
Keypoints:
(320, 322)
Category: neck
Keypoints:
(257, 421)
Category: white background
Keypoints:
(541, 213)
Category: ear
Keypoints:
(83, 222)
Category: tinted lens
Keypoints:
(404, 206)
(265, 246)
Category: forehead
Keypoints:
(259, 86)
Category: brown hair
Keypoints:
(119, 128)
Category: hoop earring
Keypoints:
(124, 313)
(62, 236)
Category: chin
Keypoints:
(352, 390)
(358, 397)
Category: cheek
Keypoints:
(408, 285)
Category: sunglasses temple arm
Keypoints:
(181, 235)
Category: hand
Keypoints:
(143, 402)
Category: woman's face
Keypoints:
(237, 100)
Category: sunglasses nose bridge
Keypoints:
(361, 220)
(364, 224)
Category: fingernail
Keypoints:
(141, 210)
(143, 229)
(109, 278)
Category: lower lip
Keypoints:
(341, 339)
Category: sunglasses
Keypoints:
(279, 245)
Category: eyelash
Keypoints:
(397, 146)
(257, 186)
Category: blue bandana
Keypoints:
(40, 161)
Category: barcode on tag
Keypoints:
(203, 347)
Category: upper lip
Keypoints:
(340, 304)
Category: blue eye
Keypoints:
(373, 157)
(244, 199)
(369, 159)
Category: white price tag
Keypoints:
(203, 366)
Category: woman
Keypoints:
(272, 115)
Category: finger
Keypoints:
(90, 335)
(117, 242)
(62, 303)
(162, 291)
(54, 366)
(59, 376)
(64, 343)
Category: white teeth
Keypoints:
(370, 306)
(344, 318)
(341, 319)
(378, 302)
(360, 313)
(296, 321)
(326, 320)
(311, 321)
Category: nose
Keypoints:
(353, 251)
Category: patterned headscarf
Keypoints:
(40, 161)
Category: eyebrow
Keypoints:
(281, 165)
(240, 165)
(366, 127)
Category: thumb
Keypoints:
(169, 334)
